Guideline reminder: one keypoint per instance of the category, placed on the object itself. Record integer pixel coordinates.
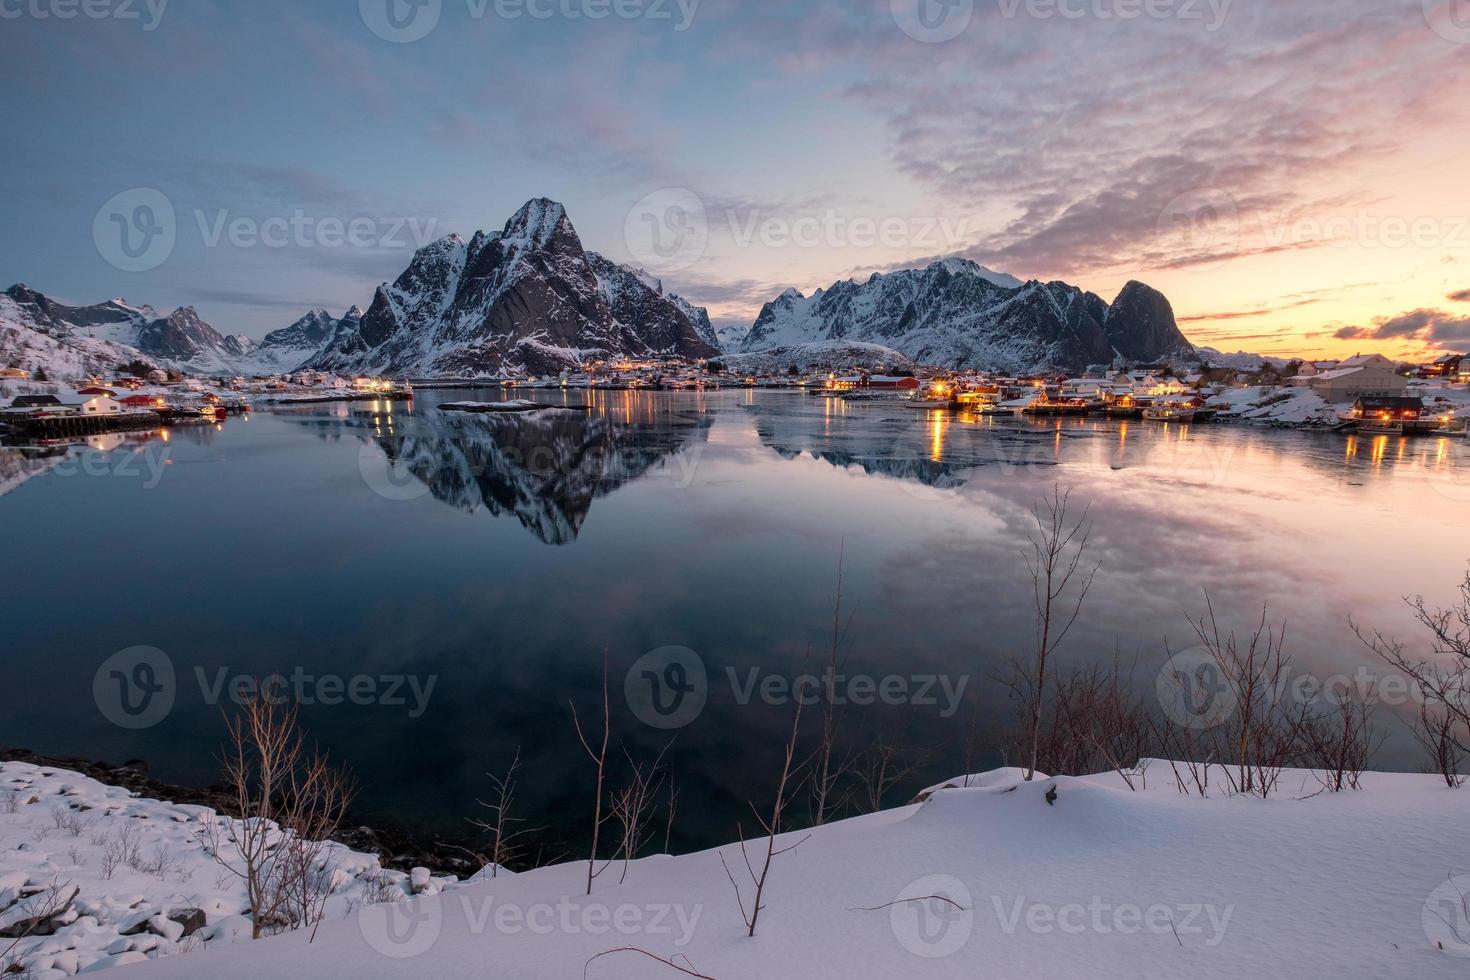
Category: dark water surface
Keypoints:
(496, 558)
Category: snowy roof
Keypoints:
(1339, 373)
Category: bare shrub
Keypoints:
(599, 759)
(1438, 732)
(291, 799)
(504, 834)
(1100, 724)
(1060, 583)
(631, 807)
(881, 767)
(828, 770)
(1443, 682)
(381, 889)
(1264, 734)
(32, 916)
(1338, 744)
(772, 827)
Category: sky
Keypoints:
(1292, 175)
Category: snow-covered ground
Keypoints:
(1059, 878)
(139, 867)
(1301, 407)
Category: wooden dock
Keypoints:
(63, 425)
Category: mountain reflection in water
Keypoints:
(544, 468)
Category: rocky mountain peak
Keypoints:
(542, 223)
(1140, 325)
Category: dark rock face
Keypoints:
(529, 296)
(180, 336)
(312, 331)
(1140, 325)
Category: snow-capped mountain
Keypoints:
(115, 332)
(528, 296)
(53, 352)
(286, 349)
(731, 337)
(955, 313)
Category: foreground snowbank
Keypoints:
(145, 885)
(987, 878)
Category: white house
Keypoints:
(102, 405)
(1365, 374)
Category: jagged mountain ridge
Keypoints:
(180, 340)
(288, 348)
(955, 313)
(526, 297)
(530, 297)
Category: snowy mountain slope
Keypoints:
(114, 329)
(731, 337)
(529, 296)
(284, 350)
(955, 313)
(995, 877)
(56, 348)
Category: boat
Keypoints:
(1169, 413)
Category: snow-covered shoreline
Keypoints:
(144, 883)
(990, 875)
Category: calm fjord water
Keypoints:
(497, 557)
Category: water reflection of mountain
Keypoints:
(24, 462)
(544, 468)
(935, 448)
(19, 465)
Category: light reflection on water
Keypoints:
(502, 553)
